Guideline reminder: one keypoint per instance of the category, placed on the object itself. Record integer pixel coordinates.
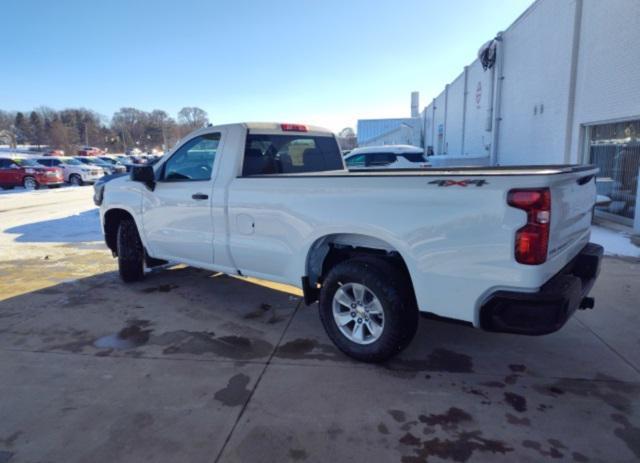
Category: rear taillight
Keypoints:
(532, 240)
(293, 127)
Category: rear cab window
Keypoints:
(266, 154)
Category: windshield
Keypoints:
(26, 163)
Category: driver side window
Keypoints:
(194, 160)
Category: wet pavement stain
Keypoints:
(517, 368)
(495, 384)
(235, 393)
(10, 440)
(307, 349)
(459, 449)
(129, 337)
(616, 394)
(398, 415)
(517, 402)
(165, 288)
(382, 429)
(409, 439)
(628, 433)
(448, 420)
(512, 419)
(439, 360)
(580, 458)
(202, 342)
(537, 446)
(261, 311)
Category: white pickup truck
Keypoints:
(504, 249)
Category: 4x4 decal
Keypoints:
(458, 182)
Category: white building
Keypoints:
(561, 85)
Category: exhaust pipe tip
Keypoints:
(587, 303)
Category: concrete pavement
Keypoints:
(190, 366)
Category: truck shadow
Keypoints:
(183, 312)
(76, 228)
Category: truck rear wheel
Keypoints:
(130, 252)
(367, 309)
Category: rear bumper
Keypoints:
(548, 309)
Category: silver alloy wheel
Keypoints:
(30, 183)
(358, 313)
(75, 180)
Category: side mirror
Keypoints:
(144, 174)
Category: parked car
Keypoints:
(90, 151)
(53, 152)
(75, 172)
(504, 249)
(107, 167)
(387, 157)
(28, 174)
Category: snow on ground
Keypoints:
(615, 243)
(33, 221)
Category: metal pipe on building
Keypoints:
(497, 95)
(571, 104)
(464, 107)
(444, 123)
(433, 124)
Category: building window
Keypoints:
(615, 149)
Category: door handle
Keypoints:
(199, 196)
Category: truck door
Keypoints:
(177, 217)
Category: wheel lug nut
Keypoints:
(353, 314)
(359, 320)
(353, 306)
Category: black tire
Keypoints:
(30, 180)
(393, 290)
(78, 180)
(7, 188)
(130, 252)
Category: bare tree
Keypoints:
(193, 118)
(347, 139)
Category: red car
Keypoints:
(53, 153)
(90, 151)
(28, 173)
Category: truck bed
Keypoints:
(555, 169)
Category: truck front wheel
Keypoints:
(130, 252)
(367, 309)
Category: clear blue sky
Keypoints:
(324, 62)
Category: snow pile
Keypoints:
(615, 243)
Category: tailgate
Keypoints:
(572, 200)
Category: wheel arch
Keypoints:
(111, 222)
(330, 249)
